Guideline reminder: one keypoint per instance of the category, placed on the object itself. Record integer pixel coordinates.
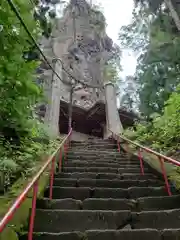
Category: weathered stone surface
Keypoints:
(110, 193)
(65, 182)
(90, 169)
(136, 192)
(92, 175)
(92, 164)
(67, 203)
(77, 175)
(108, 176)
(66, 221)
(158, 203)
(138, 176)
(157, 219)
(108, 204)
(132, 170)
(170, 234)
(147, 234)
(70, 192)
(54, 236)
(115, 183)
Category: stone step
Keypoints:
(100, 156)
(137, 176)
(93, 141)
(148, 234)
(79, 220)
(110, 176)
(139, 234)
(104, 160)
(94, 146)
(82, 145)
(158, 203)
(88, 204)
(164, 219)
(82, 193)
(77, 163)
(66, 203)
(90, 169)
(93, 175)
(103, 170)
(83, 152)
(139, 204)
(68, 182)
(82, 220)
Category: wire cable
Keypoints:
(15, 10)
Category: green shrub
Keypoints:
(163, 133)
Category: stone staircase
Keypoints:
(101, 195)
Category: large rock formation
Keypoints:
(79, 47)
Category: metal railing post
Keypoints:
(33, 211)
(165, 176)
(141, 161)
(52, 178)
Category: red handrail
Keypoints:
(160, 156)
(34, 185)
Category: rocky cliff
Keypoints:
(79, 48)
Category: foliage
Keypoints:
(22, 138)
(113, 66)
(19, 91)
(155, 39)
(156, 6)
(45, 13)
(111, 73)
(97, 18)
(163, 132)
(16, 162)
(153, 35)
(128, 94)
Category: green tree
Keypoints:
(157, 42)
(19, 91)
(128, 95)
(45, 13)
(157, 5)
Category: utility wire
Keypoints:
(15, 10)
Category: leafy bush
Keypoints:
(164, 131)
(21, 161)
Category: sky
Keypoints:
(119, 13)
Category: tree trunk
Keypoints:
(173, 13)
